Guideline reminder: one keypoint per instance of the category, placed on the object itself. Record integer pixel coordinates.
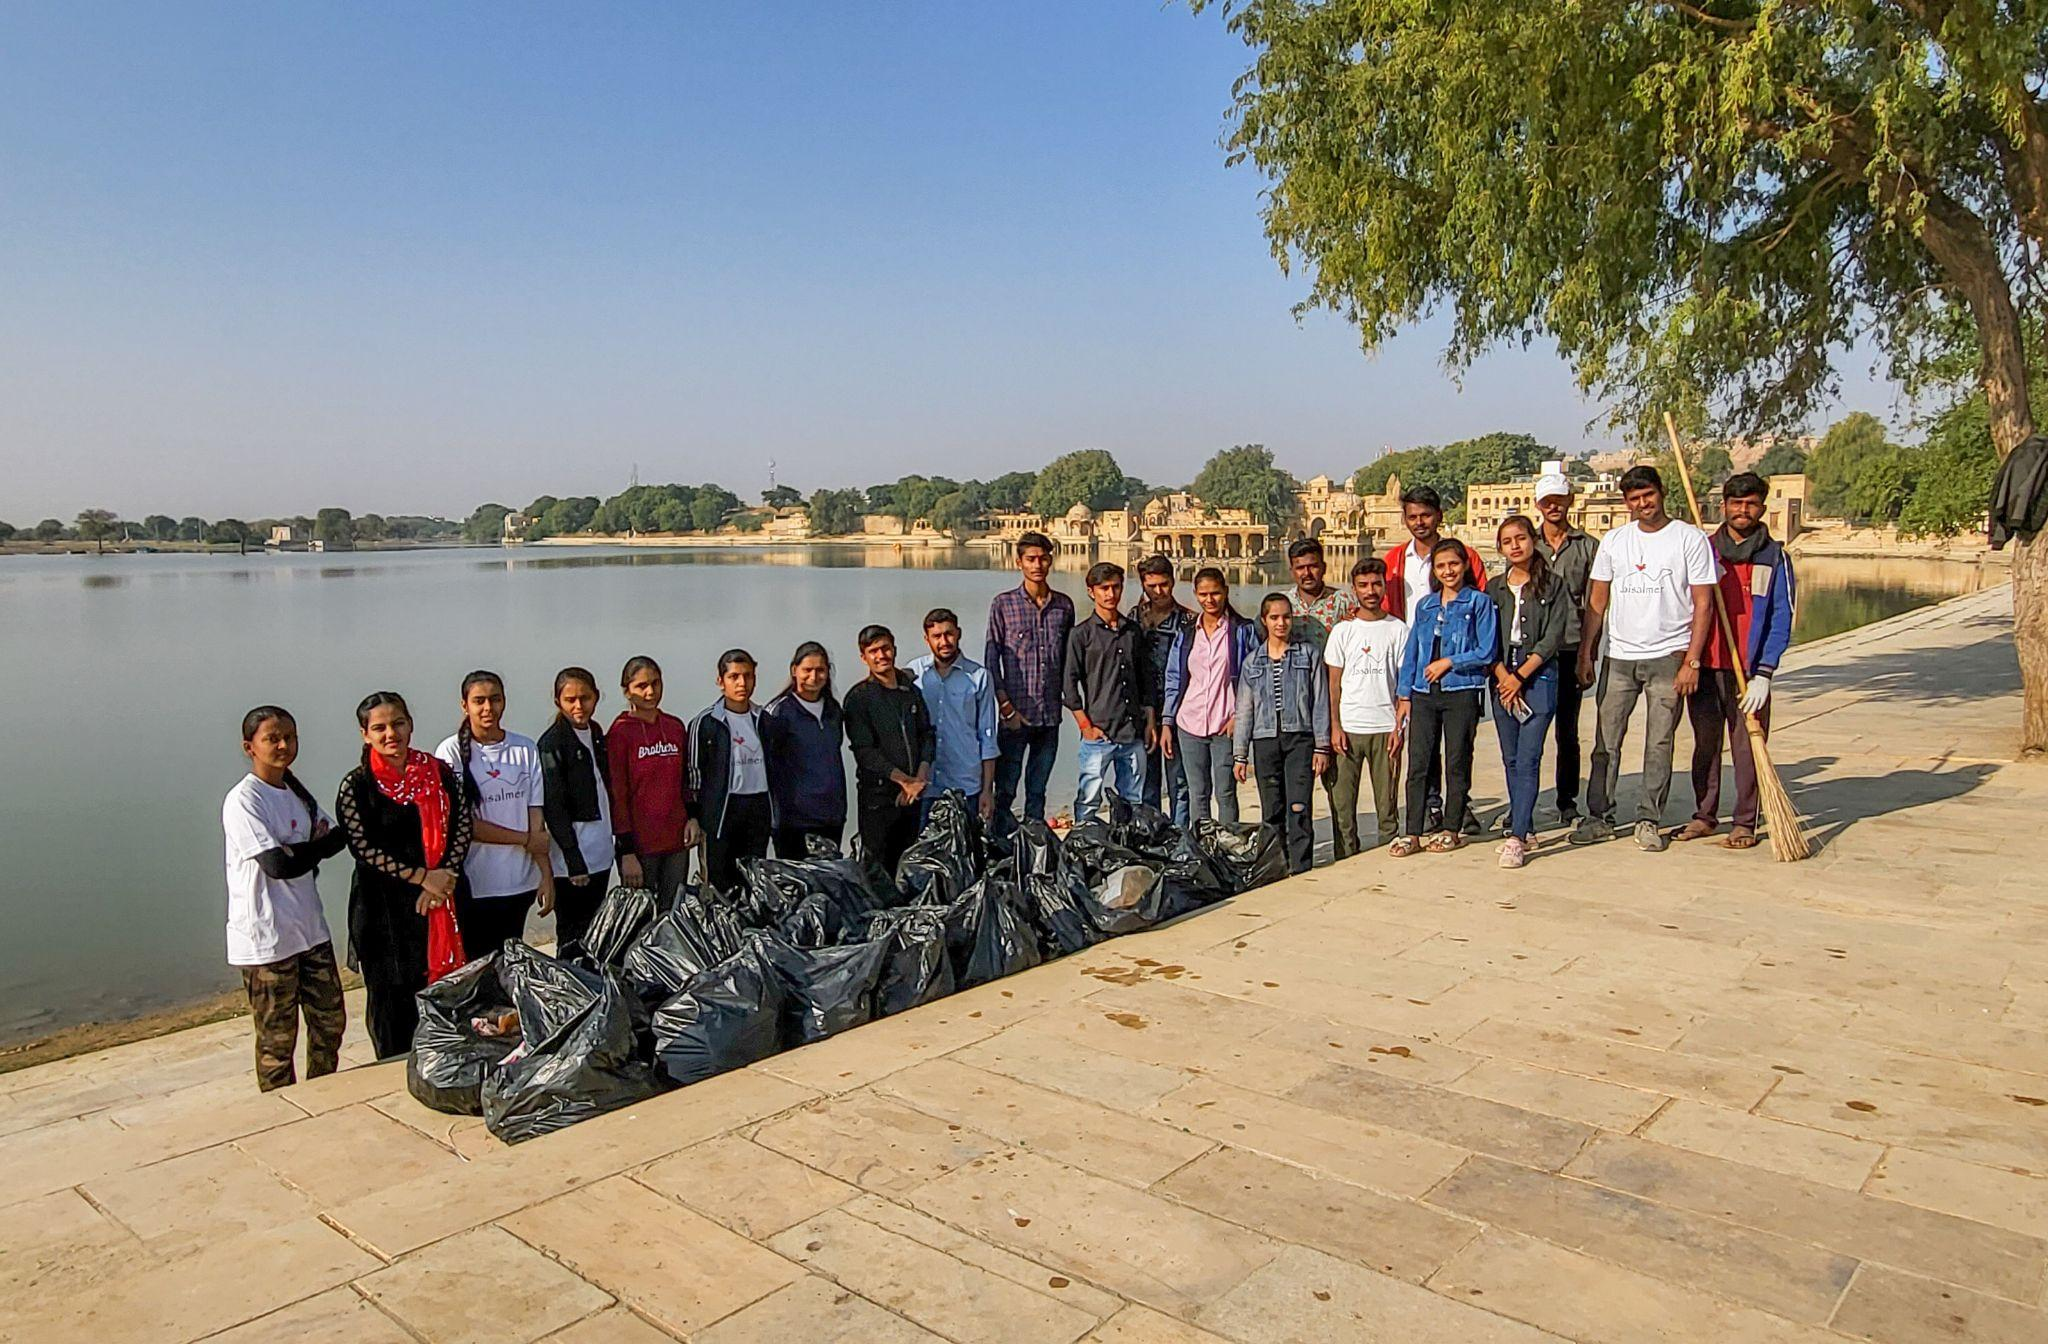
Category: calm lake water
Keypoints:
(127, 677)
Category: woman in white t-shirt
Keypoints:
(576, 783)
(507, 866)
(277, 933)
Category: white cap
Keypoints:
(1553, 481)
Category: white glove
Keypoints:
(1757, 696)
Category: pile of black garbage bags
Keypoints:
(652, 999)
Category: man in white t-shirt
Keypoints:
(1651, 595)
(1366, 723)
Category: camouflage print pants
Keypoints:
(310, 983)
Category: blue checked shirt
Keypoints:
(1027, 652)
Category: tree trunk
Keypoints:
(1963, 249)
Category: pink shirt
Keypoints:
(1210, 699)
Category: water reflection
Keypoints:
(1837, 594)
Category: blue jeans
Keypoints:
(1174, 786)
(1042, 744)
(1120, 765)
(1521, 748)
(1205, 773)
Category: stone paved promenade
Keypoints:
(1696, 1096)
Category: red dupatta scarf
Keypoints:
(418, 784)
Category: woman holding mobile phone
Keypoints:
(1534, 611)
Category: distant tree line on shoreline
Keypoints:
(1937, 488)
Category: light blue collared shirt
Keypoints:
(962, 701)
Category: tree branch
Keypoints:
(1699, 15)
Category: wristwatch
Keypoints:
(1694, 664)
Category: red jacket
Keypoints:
(1397, 560)
(650, 794)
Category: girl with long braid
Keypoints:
(407, 824)
(500, 776)
(277, 933)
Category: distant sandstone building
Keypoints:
(1596, 504)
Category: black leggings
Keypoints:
(742, 834)
(489, 922)
(1285, 769)
(576, 906)
(1441, 725)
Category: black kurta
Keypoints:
(387, 935)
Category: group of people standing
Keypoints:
(1175, 707)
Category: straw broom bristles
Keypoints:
(1788, 840)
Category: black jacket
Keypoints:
(2019, 496)
(888, 729)
(570, 782)
(1109, 676)
(710, 776)
(1546, 617)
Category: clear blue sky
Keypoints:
(265, 257)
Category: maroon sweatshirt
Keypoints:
(650, 796)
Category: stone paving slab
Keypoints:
(1614, 1097)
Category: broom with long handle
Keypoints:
(1788, 841)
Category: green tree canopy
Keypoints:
(710, 506)
(1244, 477)
(1088, 476)
(334, 527)
(782, 497)
(486, 524)
(49, 529)
(1848, 444)
(228, 532)
(1488, 459)
(191, 528)
(372, 527)
(98, 525)
(957, 511)
(1698, 203)
(836, 513)
(7, 531)
(160, 527)
(1783, 458)
(1010, 491)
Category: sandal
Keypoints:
(1742, 837)
(1443, 842)
(1693, 830)
(1403, 847)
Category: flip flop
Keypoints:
(1740, 838)
(1693, 830)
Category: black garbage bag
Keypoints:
(917, 969)
(449, 1059)
(726, 1017)
(1127, 899)
(1058, 910)
(695, 934)
(946, 857)
(1035, 849)
(828, 989)
(815, 922)
(1142, 829)
(1191, 877)
(577, 1056)
(1092, 851)
(825, 893)
(620, 917)
(1253, 855)
(988, 935)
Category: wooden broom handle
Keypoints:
(1720, 604)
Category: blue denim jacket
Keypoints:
(1471, 640)
(1304, 697)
